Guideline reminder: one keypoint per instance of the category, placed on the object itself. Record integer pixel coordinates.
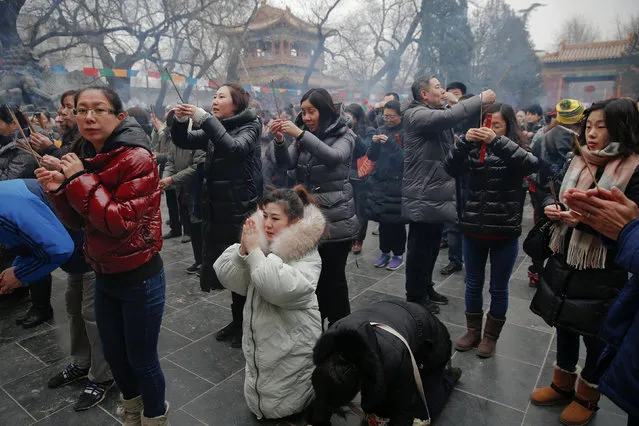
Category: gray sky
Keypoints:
(545, 22)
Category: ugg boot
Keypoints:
(582, 409)
(473, 332)
(162, 420)
(560, 391)
(486, 347)
(131, 410)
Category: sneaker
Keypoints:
(185, 239)
(533, 278)
(357, 247)
(451, 268)
(452, 374)
(92, 395)
(70, 374)
(428, 304)
(395, 263)
(375, 231)
(436, 297)
(193, 269)
(383, 260)
(171, 234)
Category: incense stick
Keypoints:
(13, 117)
(553, 192)
(174, 86)
(481, 110)
(277, 108)
(575, 142)
(503, 77)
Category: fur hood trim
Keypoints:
(296, 240)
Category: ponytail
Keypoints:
(304, 195)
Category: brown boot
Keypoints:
(582, 409)
(560, 391)
(473, 332)
(486, 348)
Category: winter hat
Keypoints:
(570, 111)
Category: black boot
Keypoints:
(228, 332)
(41, 309)
(35, 316)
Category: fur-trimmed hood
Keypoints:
(297, 239)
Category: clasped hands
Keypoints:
(279, 128)
(483, 134)
(605, 211)
(70, 164)
(250, 237)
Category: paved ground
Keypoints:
(205, 377)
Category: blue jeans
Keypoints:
(129, 315)
(503, 255)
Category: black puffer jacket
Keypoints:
(579, 300)
(495, 195)
(388, 385)
(230, 170)
(322, 165)
(385, 199)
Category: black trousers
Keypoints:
(361, 190)
(174, 210)
(332, 288)
(423, 248)
(196, 242)
(40, 291)
(392, 238)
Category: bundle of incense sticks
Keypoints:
(23, 146)
(277, 108)
(28, 145)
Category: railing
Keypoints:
(265, 61)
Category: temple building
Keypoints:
(279, 47)
(590, 71)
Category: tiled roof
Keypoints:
(269, 16)
(597, 51)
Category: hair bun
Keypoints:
(304, 195)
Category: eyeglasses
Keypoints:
(98, 112)
(390, 117)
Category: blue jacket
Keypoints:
(620, 331)
(30, 229)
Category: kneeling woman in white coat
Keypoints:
(277, 267)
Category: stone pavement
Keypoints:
(205, 377)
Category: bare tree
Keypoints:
(578, 30)
(373, 40)
(629, 26)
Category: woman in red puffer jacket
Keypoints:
(109, 186)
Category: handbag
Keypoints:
(537, 242)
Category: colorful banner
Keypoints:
(204, 82)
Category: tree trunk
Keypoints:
(311, 66)
(234, 61)
(159, 102)
(8, 23)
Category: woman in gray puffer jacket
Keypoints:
(15, 163)
(321, 157)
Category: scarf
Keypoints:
(585, 250)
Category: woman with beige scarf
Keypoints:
(581, 279)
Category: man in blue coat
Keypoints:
(31, 231)
(617, 218)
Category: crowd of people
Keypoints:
(272, 208)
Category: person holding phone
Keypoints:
(490, 217)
